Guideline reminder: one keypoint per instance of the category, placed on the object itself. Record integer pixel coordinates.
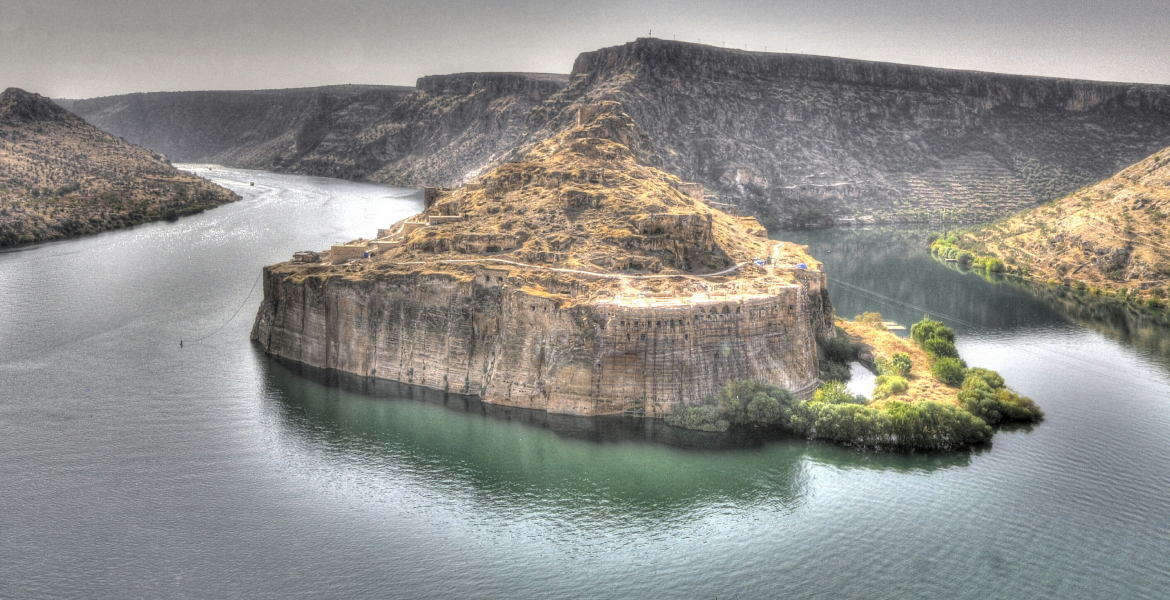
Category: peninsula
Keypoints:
(61, 177)
(581, 279)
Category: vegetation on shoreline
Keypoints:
(925, 397)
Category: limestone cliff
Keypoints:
(805, 140)
(61, 177)
(577, 280)
(433, 134)
(796, 140)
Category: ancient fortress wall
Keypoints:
(489, 336)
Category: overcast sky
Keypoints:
(84, 48)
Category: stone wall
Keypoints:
(486, 336)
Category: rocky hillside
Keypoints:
(801, 140)
(60, 176)
(433, 134)
(796, 140)
(1110, 236)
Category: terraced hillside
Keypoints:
(1113, 236)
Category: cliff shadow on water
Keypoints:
(359, 414)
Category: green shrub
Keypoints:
(993, 265)
(849, 424)
(934, 426)
(702, 418)
(872, 319)
(834, 392)
(1153, 303)
(835, 370)
(940, 348)
(889, 385)
(763, 409)
(984, 395)
(965, 257)
(930, 238)
(948, 370)
(839, 349)
(928, 328)
(899, 365)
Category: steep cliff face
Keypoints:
(795, 140)
(429, 135)
(61, 177)
(802, 140)
(576, 280)
(238, 128)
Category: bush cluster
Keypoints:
(837, 416)
(948, 247)
(889, 385)
(738, 403)
(984, 395)
(900, 365)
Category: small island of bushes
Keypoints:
(925, 397)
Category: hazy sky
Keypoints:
(83, 48)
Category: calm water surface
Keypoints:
(132, 468)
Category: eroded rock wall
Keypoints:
(488, 337)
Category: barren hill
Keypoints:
(801, 139)
(1111, 235)
(431, 134)
(60, 176)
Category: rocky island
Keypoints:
(580, 279)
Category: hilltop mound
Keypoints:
(61, 177)
(587, 199)
(580, 279)
(1112, 235)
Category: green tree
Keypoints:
(950, 371)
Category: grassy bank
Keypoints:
(925, 397)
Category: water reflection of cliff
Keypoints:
(586, 468)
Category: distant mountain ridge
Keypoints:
(60, 176)
(436, 132)
(796, 140)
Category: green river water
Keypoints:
(131, 467)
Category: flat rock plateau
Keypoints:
(796, 140)
(61, 177)
(579, 279)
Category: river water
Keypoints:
(131, 467)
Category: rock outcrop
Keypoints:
(61, 177)
(517, 289)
